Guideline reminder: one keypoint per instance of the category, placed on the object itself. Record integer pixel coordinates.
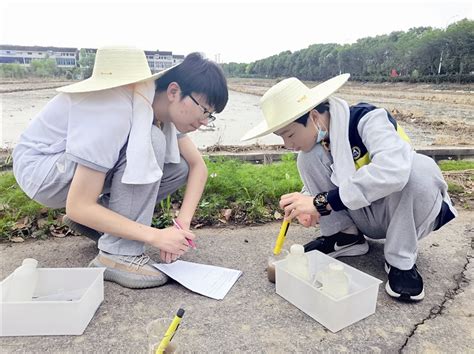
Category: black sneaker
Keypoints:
(339, 245)
(405, 285)
(82, 229)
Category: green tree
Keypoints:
(86, 63)
(417, 54)
(459, 39)
(13, 71)
(44, 67)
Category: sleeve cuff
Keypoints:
(335, 201)
(86, 163)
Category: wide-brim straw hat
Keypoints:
(114, 67)
(290, 99)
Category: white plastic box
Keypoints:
(334, 314)
(64, 302)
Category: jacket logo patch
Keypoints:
(356, 152)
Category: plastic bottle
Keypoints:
(335, 281)
(30, 262)
(298, 263)
(23, 283)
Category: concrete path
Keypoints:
(252, 317)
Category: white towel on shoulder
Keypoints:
(339, 136)
(142, 167)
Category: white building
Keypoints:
(158, 60)
(69, 57)
(24, 55)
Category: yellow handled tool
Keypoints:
(170, 332)
(281, 237)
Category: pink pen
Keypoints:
(178, 226)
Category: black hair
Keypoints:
(199, 75)
(321, 108)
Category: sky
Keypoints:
(224, 31)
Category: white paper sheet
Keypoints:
(211, 281)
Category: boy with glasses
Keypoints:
(111, 147)
(208, 115)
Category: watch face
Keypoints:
(320, 199)
(321, 203)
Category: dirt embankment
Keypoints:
(30, 85)
(436, 115)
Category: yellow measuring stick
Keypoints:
(170, 332)
(281, 237)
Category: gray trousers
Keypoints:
(402, 218)
(136, 202)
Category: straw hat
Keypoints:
(114, 67)
(290, 99)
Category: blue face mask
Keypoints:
(321, 134)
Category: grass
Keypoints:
(251, 191)
(458, 165)
(455, 188)
(21, 216)
(236, 192)
(14, 204)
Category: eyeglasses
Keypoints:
(210, 117)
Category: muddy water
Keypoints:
(241, 114)
(18, 108)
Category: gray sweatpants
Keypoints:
(402, 218)
(136, 202)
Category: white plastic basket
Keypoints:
(334, 314)
(64, 302)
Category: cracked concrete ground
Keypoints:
(252, 317)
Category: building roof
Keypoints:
(68, 49)
(36, 48)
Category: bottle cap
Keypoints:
(297, 249)
(336, 266)
(30, 262)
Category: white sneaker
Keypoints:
(135, 272)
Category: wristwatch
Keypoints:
(320, 202)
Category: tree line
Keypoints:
(422, 54)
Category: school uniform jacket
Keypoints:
(371, 153)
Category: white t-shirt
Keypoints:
(91, 128)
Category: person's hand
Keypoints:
(184, 224)
(172, 242)
(168, 257)
(296, 204)
(308, 220)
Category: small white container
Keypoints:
(23, 284)
(76, 294)
(334, 280)
(334, 314)
(297, 262)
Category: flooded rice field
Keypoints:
(430, 115)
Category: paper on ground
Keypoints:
(211, 281)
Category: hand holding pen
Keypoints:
(178, 226)
(173, 243)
